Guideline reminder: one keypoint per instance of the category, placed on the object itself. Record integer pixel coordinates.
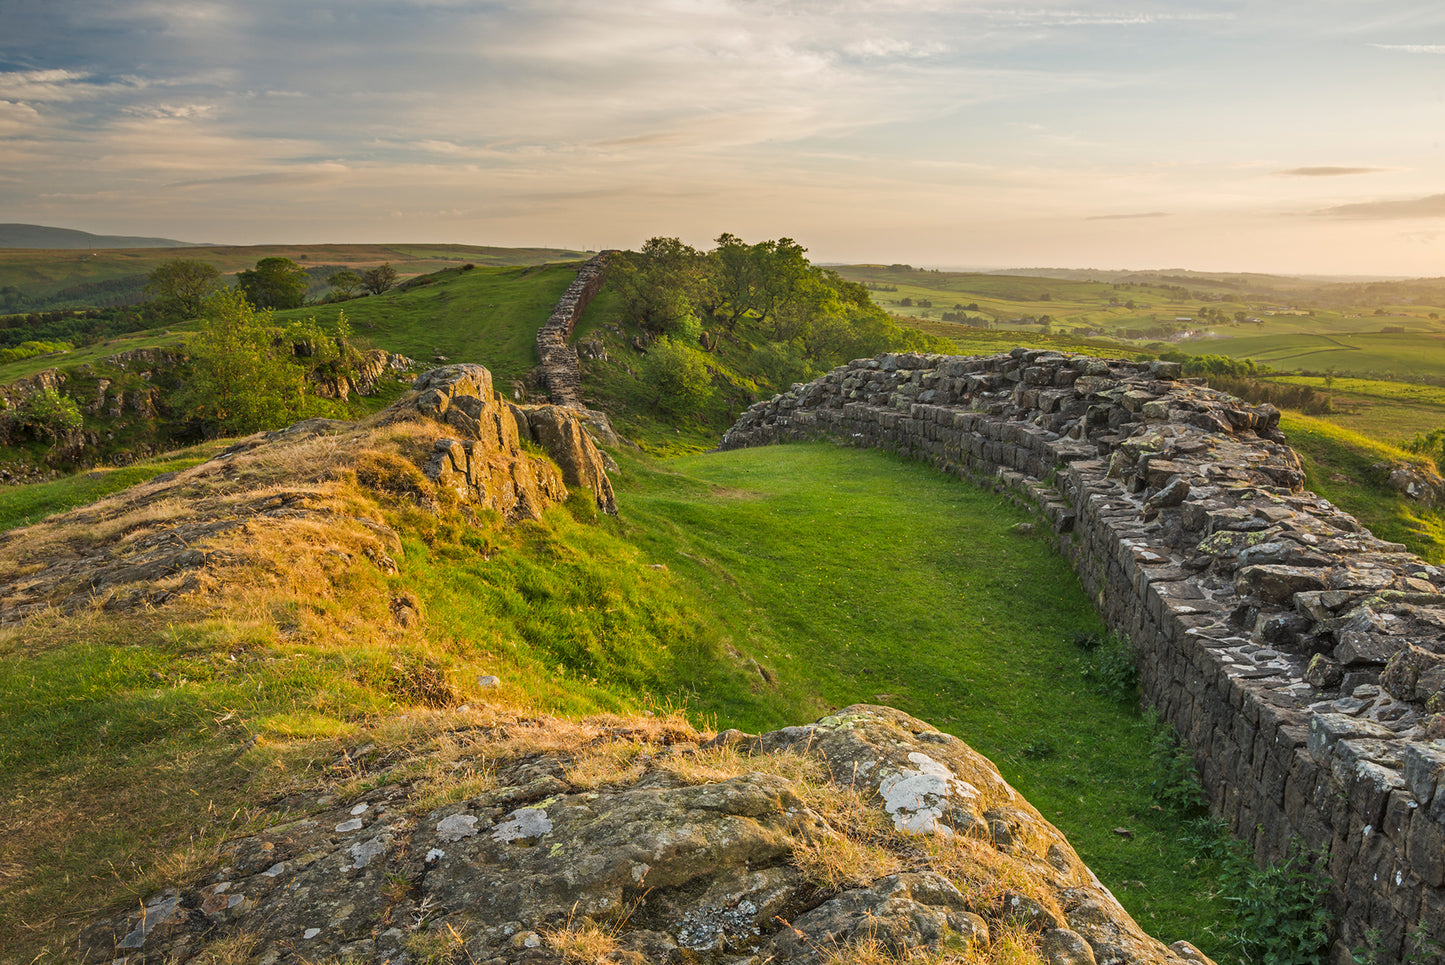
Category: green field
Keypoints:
(1364, 354)
(74, 278)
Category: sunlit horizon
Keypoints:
(1210, 135)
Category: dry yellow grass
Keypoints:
(582, 941)
(712, 764)
(1010, 945)
(859, 853)
(983, 873)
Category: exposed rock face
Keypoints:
(696, 854)
(374, 366)
(1297, 655)
(486, 465)
(167, 537)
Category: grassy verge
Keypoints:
(1341, 466)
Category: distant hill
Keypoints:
(41, 236)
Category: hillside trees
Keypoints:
(242, 379)
(817, 318)
(274, 283)
(183, 284)
(663, 284)
(380, 279)
(345, 283)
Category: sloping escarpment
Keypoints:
(639, 841)
(284, 495)
(1301, 659)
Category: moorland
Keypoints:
(750, 589)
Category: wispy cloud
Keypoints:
(1326, 171)
(1428, 207)
(1127, 217)
(1412, 48)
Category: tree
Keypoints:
(274, 283)
(380, 279)
(346, 283)
(183, 283)
(241, 378)
(680, 375)
(661, 284)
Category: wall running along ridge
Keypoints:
(561, 372)
(1300, 658)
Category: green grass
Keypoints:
(1364, 354)
(760, 588)
(1392, 412)
(1341, 466)
(23, 505)
(46, 274)
(854, 576)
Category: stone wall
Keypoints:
(561, 372)
(1300, 659)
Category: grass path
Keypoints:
(854, 576)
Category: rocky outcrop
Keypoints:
(173, 536)
(560, 370)
(867, 828)
(365, 378)
(1297, 655)
(484, 463)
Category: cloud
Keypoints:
(1413, 48)
(1325, 171)
(1430, 207)
(1127, 217)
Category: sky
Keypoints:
(1295, 136)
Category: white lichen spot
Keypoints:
(363, 852)
(360, 809)
(639, 871)
(522, 824)
(918, 799)
(456, 827)
(310, 933)
(434, 854)
(275, 870)
(355, 824)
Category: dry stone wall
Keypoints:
(561, 372)
(1300, 658)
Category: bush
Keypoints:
(680, 374)
(1280, 909)
(48, 414)
(1112, 670)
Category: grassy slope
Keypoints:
(40, 272)
(845, 575)
(487, 315)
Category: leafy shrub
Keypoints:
(30, 349)
(1173, 782)
(1280, 912)
(1111, 669)
(48, 414)
(680, 375)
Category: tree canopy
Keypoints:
(242, 378)
(274, 283)
(380, 279)
(184, 284)
(818, 318)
